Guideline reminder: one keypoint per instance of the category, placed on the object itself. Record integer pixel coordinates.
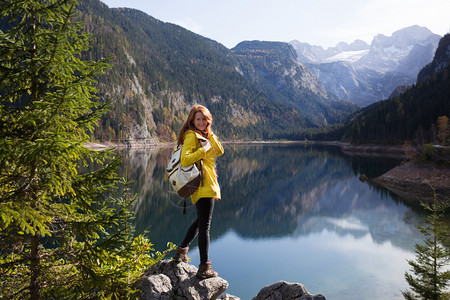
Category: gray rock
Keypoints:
(283, 290)
(168, 280)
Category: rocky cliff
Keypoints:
(274, 67)
(440, 61)
(167, 280)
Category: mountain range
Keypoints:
(274, 68)
(160, 69)
(363, 73)
(412, 115)
(257, 90)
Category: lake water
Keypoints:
(288, 212)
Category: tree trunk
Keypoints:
(35, 287)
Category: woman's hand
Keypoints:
(205, 144)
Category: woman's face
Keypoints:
(200, 121)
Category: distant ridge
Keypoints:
(411, 114)
(364, 74)
(274, 67)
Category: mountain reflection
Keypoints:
(274, 190)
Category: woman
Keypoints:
(199, 143)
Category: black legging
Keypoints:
(201, 226)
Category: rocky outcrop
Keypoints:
(283, 290)
(167, 280)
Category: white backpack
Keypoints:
(184, 180)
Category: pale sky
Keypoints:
(318, 22)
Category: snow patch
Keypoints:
(348, 56)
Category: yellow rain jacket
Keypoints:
(193, 152)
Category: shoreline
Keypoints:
(416, 183)
(412, 182)
(347, 147)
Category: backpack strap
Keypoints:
(201, 160)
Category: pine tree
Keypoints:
(430, 268)
(62, 234)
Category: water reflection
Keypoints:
(275, 195)
(271, 191)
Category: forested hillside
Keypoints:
(160, 70)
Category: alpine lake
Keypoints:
(289, 211)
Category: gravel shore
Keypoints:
(415, 183)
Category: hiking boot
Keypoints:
(205, 271)
(181, 255)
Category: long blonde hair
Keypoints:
(189, 124)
